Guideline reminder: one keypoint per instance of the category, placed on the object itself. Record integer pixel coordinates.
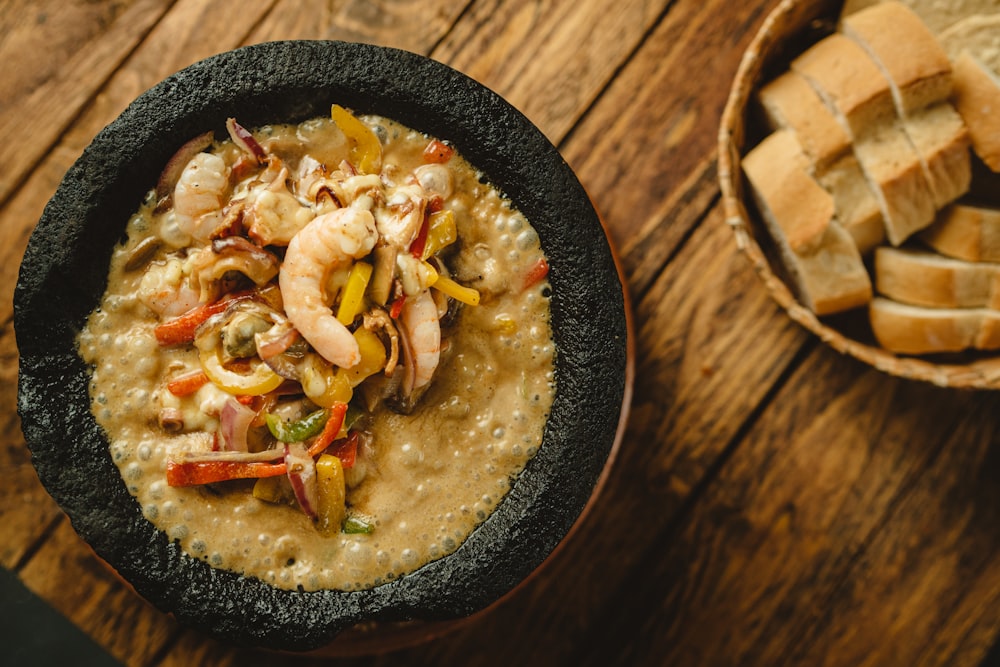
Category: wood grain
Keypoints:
(773, 503)
(413, 25)
(86, 591)
(647, 146)
(550, 59)
(32, 120)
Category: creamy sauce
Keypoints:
(425, 481)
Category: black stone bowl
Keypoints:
(63, 276)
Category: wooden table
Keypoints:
(773, 502)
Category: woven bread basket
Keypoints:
(788, 30)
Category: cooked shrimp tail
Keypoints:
(328, 242)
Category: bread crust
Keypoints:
(966, 231)
(976, 96)
(789, 101)
(906, 329)
(848, 80)
(820, 256)
(922, 278)
(907, 52)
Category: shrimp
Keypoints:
(327, 243)
(422, 339)
(164, 289)
(400, 219)
(199, 195)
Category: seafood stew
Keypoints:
(324, 353)
(64, 274)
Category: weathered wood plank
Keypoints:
(413, 25)
(806, 517)
(926, 588)
(74, 581)
(192, 30)
(33, 121)
(549, 59)
(647, 144)
(38, 38)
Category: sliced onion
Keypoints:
(276, 340)
(242, 138)
(265, 456)
(301, 471)
(234, 422)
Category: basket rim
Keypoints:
(981, 373)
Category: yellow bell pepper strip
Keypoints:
(300, 430)
(272, 490)
(332, 495)
(259, 381)
(353, 296)
(438, 152)
(458, 292)
(441, 232)
(324, 385)
(332, 429)
(373, 357)
(180, 329)
(536, 274)
(356, 526)
(365, 151)
(187, 384)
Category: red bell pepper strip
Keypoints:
(438, 152)
(187, 384)
(346, 450)
(330, 430)
(180, 329)
(419, 243)
(193, 473)
(537, 273)
(397, 307)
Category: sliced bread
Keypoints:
(941, 140)
(789, 101)
(922, 278)
(906, 51)
(937, 14)
(977, 99)
(966, 231)
(907, 329)
(855, 204)
(920, 77)
(893, 168)
(860, 96)
(848, 80)
(820, 257)
(973, 44)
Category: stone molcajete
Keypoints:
(64, 271)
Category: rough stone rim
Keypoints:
(63, 275)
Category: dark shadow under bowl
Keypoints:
(63, 276)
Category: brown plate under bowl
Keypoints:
(792, 27)
(64, 273)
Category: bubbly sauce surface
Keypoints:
(424, 480)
